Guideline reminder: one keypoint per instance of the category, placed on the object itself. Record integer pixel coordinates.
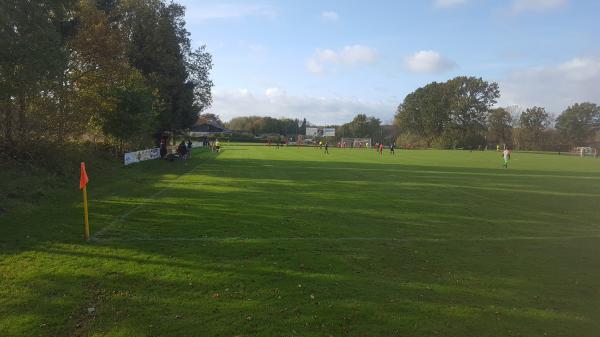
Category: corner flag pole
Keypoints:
(83, 180)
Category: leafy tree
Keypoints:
(32, 59)
(469, 100)
(260, 125)
(134, 115)
(499, 124)
(97, 62)
(362, 126)
(199, 65)
(106, 5)
(424, 112)
(70, 68)
(533, 122)
(159, 47)
(579, 123)
(453, 112)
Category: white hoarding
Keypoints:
(329, 132)
(138, 156)
(312, 132)
(320, 132)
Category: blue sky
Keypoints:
(329, 60)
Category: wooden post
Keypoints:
(86, 229)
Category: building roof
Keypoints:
(209, 128)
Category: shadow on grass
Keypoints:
(271, 287)
(285, 289)
(269, 198)
(60, 217)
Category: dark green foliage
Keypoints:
(469, 100)
(58, 58)
(499, 123)
(533, 122)
(134, 117)
(159, 47)
(268, 125)
(32, 61)
(579, 123)
(199, 64)
(362, 126)
(452, 113)
(424, 112)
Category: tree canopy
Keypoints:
(579, 123)
(117, 70)
(451, 114)
(268, 125)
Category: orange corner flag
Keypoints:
(83, 179)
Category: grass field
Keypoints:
(259, 241)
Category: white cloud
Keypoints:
(313, 66)
(275, 102)
(330, 16)
(355, 55)
(448, 3)
(428, 61)
(519, 6)
(554, 87)
(275, 92)
(205, 12)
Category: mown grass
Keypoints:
(259, 241)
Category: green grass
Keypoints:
(257, 241)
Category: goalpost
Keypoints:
(356, 143)
(586, 151)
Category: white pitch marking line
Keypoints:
(223, 239)
(97, 236)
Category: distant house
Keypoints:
(206, 128)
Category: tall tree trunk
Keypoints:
(22, 119)
(8, 119)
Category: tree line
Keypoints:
(459, 113)
(110, 71)
(258, 125)
(362, 126)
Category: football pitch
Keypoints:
(260, 241)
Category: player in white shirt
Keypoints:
(506, 156)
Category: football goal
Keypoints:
(356, 143)
(586, 151)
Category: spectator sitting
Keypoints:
(182, 150)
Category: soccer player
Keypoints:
(189, 148)
(380, 149)
(326, 147)
(392, 147)
(506, 155)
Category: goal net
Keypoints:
(586, 151)
(356, 143)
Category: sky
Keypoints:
(329, 60)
